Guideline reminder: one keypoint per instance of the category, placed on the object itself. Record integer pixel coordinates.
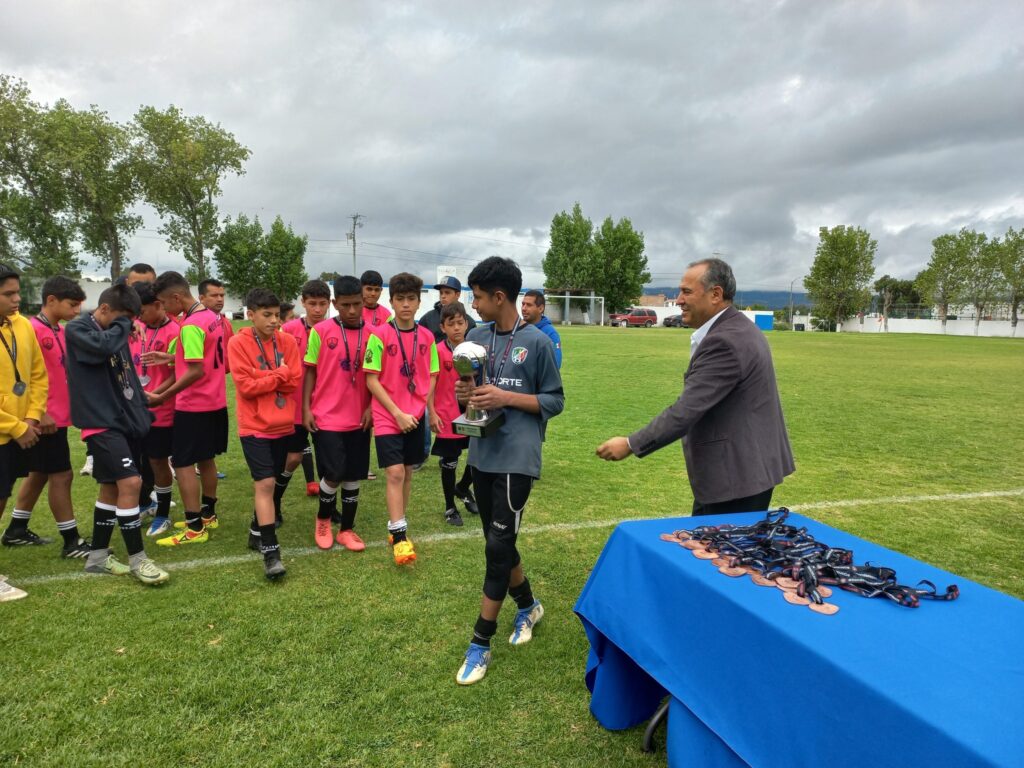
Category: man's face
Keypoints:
(487, 305)
(174, 302)
(316, 309)
(697, 304)
(448, 295)
(213, 299)
(531, 310)
(371, 295)
(405, 306)
(455, 329)
(140, 277)
(266, 320)
(10, 296)
(64, 309)
(350, 310)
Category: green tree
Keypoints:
(238, 252)
(983, 283)
(840, 276)
(619, 252)
(570, 265)
(93, 154)
(181, 163)
(1011, 263)
(941, 282)
(283, 253)
(330, 277)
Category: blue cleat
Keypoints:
(474, 666)
(525, 621)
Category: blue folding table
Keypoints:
(754, 680)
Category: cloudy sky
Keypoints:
(458, 129)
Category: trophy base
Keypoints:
(484, 428)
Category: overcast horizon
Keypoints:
(459, 129)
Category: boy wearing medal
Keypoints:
(108, 405)
(49, 461)
(337, 412)
(266, 369)
(374, 314)
(401, 370)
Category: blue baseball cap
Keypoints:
(450, 282)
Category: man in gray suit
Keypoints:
(729, 415)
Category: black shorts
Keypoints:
(198, 436)
(449, 447)
(51, 454)
(159, 443)
(298, 441)
(265, 456)
(115, 456)
(343, 456)
(406, 448)
(501, 499)
(13, 464)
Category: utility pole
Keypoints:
(791, 302)
(356, 222)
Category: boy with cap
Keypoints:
(450, 291)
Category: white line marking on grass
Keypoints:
(476, 533)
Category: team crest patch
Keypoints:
(448, 365)
(519, 355)
(47, 344)
(423, 349)
(332, 343)
(392, 350)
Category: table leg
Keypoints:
(659, 717)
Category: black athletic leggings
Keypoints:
(501, 499)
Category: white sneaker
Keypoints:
(9, 592)
(87, 467)
(474, 666)
(524, 623)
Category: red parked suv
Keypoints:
(638, 316)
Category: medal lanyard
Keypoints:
(273, 340)
(408, 370)
(121, 372)
(12, 351)
(356, 364)
(147, 341)
(495, 374)
(193, 309)
(55, 330)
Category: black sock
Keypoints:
(522, 594)
(209, 507)
(145, 494)
(467, 480)
(448, 467)
(194, 520)
(280, 486)
(102, 526)
(268, 539)
(19, 521)
(349, 502)
(328, 503)
(163, 502)
(69, 532)
(307, 466)
(483, 631)
(131, 530)
(398, 536)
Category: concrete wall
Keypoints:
(1000, 328)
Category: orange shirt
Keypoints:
(263, 382)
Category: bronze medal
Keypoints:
(829, 609)
(692, 544)
(734, 572)
(722, 562)
(669, 537)
(761, 581)
(794, 598)
(824, 591)
(703, 554)
(784, 582)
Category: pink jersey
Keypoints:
(445, 403)
(161, 339)
(340, 397)
(51, 341)
(376, 317)
(299, 331)
(201, 339)
(384, 356)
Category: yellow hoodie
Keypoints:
(32, 405)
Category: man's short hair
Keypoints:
(261, 298)
(497, 274)
(7, 272)
(537, 296)
(122, 298)
(142, 269)
(372, 277)
(717, 273)
(404, 282)
(146, 293)
(205, 285)
(347, 285)
(171, 281)
(61, 288)
(455, 309)
(316, 289)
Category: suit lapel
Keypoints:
(729, 312)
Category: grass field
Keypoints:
(350, 661)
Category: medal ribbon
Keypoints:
(495, 374)
(12, 351)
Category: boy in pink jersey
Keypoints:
(153, 346)
(444, 409)
(374, 314)
(336, 411)
(49, 460)
(316, 300)
(200, 409)
(401, 368)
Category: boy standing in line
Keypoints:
(200, 429)
(526, 385)
(266, 370)
(444, 409)
(49, 461)
(374, 314)
(108, 405)
(401, 371)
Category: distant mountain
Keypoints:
(770, 299)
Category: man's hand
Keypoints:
(488, 397)
(309, 422)
(407, 422)
(436, 425)
(463, 390)
(31, 436)
(366, 422)
(157, 358)
(47, 426)
(615, 449)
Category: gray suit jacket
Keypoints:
(728, 416)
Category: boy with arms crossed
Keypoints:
(336, 411)
(49, 460)
(108, 405)
(266, 369)
(401, 370)
(526, 385)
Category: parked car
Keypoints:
(637, 316)
(674, 321)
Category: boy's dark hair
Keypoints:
(121, 298)
(142, 269)
(372, 277)
(171, 281)
(261, 298)
(537, 296)
(404, 282)
(455, 309)
(61, 288)
(7, 272)
(497, 274)
(146, 293)
(316, 289)
(347, 285)
(286, 307)
(205, 285)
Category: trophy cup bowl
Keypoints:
(470, 359)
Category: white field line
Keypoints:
(475, 533)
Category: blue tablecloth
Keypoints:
(757, 681)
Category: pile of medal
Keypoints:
(775, 554)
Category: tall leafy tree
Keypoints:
(941, 282)
(840, 276)
(619, 251)
(571, 263)
(1011, 263)
(983, 283)
(238, 253)
(182, 161)
(283, 254)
